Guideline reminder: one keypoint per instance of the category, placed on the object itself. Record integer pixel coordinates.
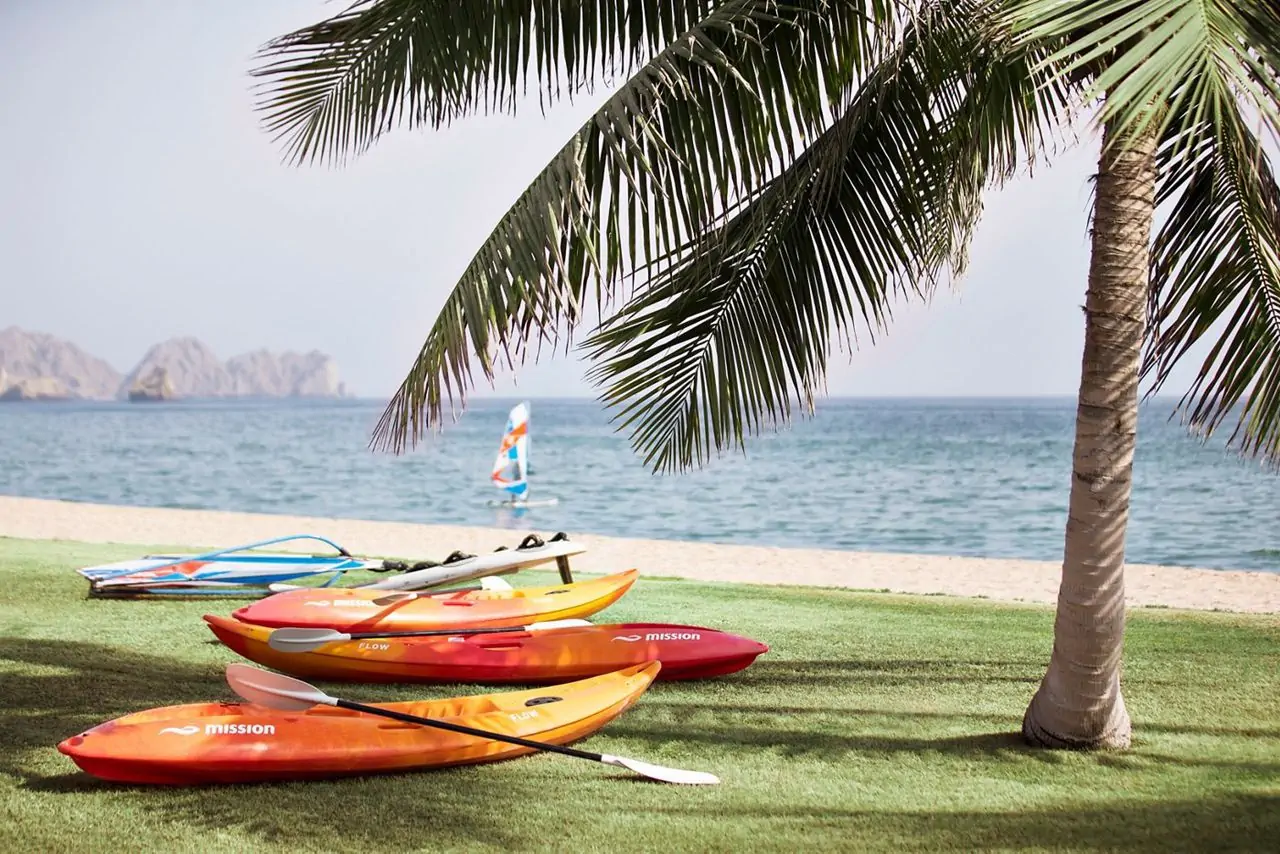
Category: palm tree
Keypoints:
(772, 176)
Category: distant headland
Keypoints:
(38, 366)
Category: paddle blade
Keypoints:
(658, 772)
(393, 598)
(556, 624)
(274, 690)
(303, 640)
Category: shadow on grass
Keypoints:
(886, 672)
(740, 711)
(862, 732)
(1189, 729)
(50, 690)
(1219, 823)
(449, 808)
(829, 732)
(792, 742)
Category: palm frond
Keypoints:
(723, 341)
(1216, 272)
(704, 123)
(1194, 68)
(332, 88)
(1212, 55)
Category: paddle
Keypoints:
(304, 640)
(393, 598)
(277, 691)
(406, 595)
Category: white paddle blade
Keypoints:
(303, 640)
(658, 772)
(274, 690)
(282, 587)
(556, 624)
(493, 582)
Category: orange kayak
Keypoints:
(202, 743)
(354, 609)
(550, 655)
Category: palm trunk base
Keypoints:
(1108, 728)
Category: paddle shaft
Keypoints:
(423, 633)
(398, 596)
(466, 730)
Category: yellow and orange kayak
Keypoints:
(203, 743)
(355, 609)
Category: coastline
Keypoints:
(1003, 579)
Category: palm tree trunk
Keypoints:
(1079, 703)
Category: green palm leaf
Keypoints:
(1216, 270)
(332, 88)
(1212, 55)
(733, 165)
(1205, 63)
(722, 341)
(703, 124)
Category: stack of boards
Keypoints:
(248, 571)
(400, 629)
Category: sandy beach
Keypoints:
(993, 578)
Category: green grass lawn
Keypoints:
(875, 722)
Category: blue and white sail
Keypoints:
(235, 570)
(240, 571)
(511, 465)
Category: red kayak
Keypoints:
(518, 656)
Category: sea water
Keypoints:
(982, 477)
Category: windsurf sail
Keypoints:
(239, 571)
(511, 466)
(236, 569)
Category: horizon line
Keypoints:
(383, 400)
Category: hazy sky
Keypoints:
(143, 201)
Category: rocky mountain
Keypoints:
(154, 385)
(50, 368)
(288, 375)
(38, 388)
(37, 356)
(194, 370)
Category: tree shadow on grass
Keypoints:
(1219, 823)
(50, 690)
(797, 743)
(447, 808)
(1192, 729)
(835, 672)
(730, 707)
(812, 732)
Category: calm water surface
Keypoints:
(962, 477)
